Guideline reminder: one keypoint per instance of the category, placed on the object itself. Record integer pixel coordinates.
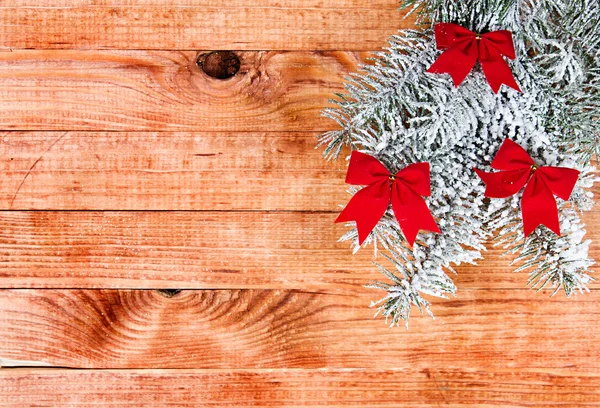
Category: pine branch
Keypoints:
(397, 112)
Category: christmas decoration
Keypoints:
(519, 170)
(463, 48)
(400, 114)
(403, 190)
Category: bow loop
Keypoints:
(538, 206)
(502, 41)
(463, 48)
(560, 180)
(505, 183)
(403, 191)
(364, 169)
(511, 156)
(417, 178)
(448, 35)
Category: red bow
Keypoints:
(404, 190)
(538, 205)
(462, 48)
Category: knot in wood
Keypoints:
(168, 292)
(219, 64)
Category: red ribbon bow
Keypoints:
(404, 190)
(538, 205)
(463, 48)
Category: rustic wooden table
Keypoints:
(127, 169)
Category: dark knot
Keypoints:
(219, 64)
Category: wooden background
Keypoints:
(126, 169)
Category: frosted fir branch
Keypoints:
(410, 281)
(557, 262)
(376, 94)
(563, 38)
(473, 14)
(396, 112)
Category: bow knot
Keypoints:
(542, 183)
(463, 48)
(403, 189)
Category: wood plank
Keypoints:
(176, 250)
(227, 329)
(167, 171)
(200, 24)
(205, 250)
(165, 90)
(408, 388)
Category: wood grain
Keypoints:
(300, 388)
(176, 250)
(168, 171)
(269, 250)
(200, 24)
(159, 176)
(250, 329)
(165, 90)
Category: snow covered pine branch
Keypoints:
(400, 114)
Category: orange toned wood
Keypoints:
(168, 171)
(227, 329)
(200, 24)
(268, 250)
(399, 388)
(157, 91)
(281, 317)
(177, 250)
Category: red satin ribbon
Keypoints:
(404, 190)
(538, 205)
(463, 48)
